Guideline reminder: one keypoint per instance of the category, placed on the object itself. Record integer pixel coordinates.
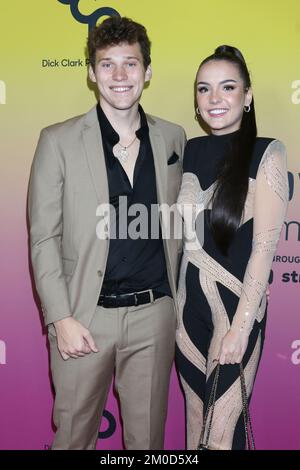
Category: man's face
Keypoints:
(120, 76)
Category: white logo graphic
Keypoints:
(296, 354)
(2, 92)
(296, 93)
(2, 352)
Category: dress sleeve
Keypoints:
(270, 205)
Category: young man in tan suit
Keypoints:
(108, 301)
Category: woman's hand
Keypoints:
(233, 347)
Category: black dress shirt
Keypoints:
(133, 265)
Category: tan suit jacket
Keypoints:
(68, 182)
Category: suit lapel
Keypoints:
(95, 156)
(161, 173)
(160, 161)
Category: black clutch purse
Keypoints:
(207, 422)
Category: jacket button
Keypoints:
(100, 273)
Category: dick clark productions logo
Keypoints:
(90, 20)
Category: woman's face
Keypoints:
(221, 96)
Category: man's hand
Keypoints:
(73, 339)
(233, 347)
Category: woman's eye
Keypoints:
(202, 89)
(228, 87)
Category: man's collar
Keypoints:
(144, 129)
(109, 133)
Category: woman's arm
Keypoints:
(270, 205)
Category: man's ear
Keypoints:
(148, 74)
(92, 74)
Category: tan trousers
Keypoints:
(135, 343)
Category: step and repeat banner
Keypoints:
(43, 79)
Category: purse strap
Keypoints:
(246, 413)
(211, 407)
(204, 438)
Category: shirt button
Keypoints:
(100, 273)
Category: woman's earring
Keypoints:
(197, 111)
(247, 108)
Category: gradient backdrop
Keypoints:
(33, 95)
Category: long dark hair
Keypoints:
(232, 182)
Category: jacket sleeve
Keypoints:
(45, 200)
(270, 205)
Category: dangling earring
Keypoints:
(247, 108)
(197, 114)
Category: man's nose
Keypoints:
(120, 73)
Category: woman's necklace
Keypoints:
(122, 151)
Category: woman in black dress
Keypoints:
(238, 182)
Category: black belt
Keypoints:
(128, 300)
